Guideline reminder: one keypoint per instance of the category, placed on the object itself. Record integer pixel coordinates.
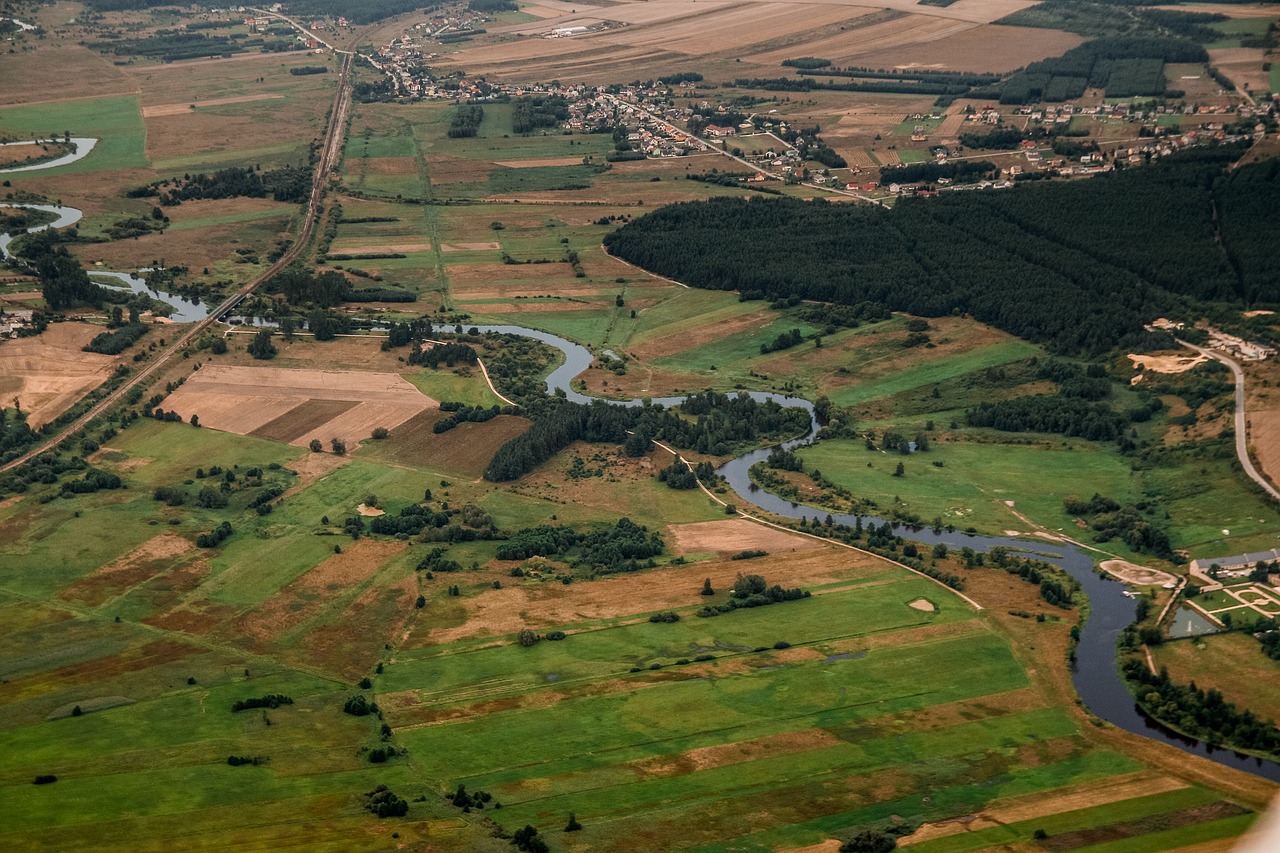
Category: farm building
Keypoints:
(1240, 563)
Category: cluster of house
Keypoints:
(1218, 340)
(13, 322)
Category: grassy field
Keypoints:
(970, 486)
(1231, 663)
(116, 122)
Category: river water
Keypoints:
(1094, 670)
(83, 144)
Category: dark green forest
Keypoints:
(1078, 267)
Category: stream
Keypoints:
(1094, 671)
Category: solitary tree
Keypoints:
(339, 446)
(262, 348)
(706, 587)
(316, 446)
(900, 470)
(572, 825)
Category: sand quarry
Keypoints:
(296, 406)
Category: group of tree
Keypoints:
(536, 112)
(712, 423)
(383, 803)
(751, 590)
(288, 184)
(466, 119)
(1078, 267)
(618, 548)
(448, 354)
(1201, 714)
(1133, 524)
(302, 286)
(270, 700)
(117, 341)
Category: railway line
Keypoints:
(330, 152)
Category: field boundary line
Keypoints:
(749, 517)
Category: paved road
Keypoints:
(1242, 435)
(330, 153)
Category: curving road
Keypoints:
(330, 152)
(1242, 434)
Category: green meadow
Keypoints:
(116, 122)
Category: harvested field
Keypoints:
(148, 559)
(389, 165)
(303, 418)
(532, 162)
(470, 247)
(466, 449)
(298, 405)
(685, 340)
(734, 535)
(187, 108)
(50, 372)
(456, 170)
(990, 47)
(312, 592)
(1243, 10)
(373, 248)
(1264, 440)
(848, 47)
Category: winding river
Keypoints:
(1094, 671)
(83, 145)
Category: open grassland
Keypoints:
(115, 121)
(974, 480)
(852, 721)
(1233, 664)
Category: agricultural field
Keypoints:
(1232, 663)
(293, 600)
(50, 373)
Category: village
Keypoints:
(661, 121)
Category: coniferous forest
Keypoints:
(1078, 266)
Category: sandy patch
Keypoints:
(1258, 313)
(733, 535)
(370, 511)
(192, 106)
(50, 373)
(922, 604)
(1165, 363)
(1138, 575)
(298, 405)
(535, 161)
(378, 250)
